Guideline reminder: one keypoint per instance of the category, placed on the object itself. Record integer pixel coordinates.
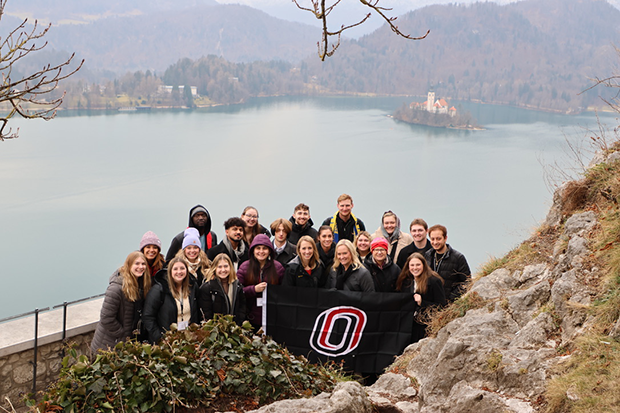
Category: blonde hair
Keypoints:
(130, 282)
(184, 284)
(344, 197)
(349, 245)
(360, 234)
(222, 257)
(205, 262)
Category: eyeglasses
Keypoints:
(251, 216)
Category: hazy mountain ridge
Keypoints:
(159, 39)
(535, 53)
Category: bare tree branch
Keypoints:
(321, 11)
(26, 93)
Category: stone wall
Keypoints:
(16, 369)
(17, 348)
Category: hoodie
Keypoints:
(177, 241)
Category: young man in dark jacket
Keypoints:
(450, 264)
(302, 224)
(200, 219)
(419, 231)
(343, 223)
(233, 243)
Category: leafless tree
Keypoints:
(321, 10)
(26, 93)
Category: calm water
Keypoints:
(78, 192)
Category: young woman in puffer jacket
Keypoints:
(306, 269)
(254, 274)
(222, 293)
(173, 299)
(122, 305)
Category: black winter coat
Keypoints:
(434, 297)
(288, 253)
(299, 231)
(384, 278)
(359, 279)
(410, 249)
(327, 258)
(213, 300)
(221, 248)
(160, 308)
(177, 241)
(295, 275)
(454, 270)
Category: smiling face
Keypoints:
(344, 255)
(261, 253)
(301, 217)
(306, 251)
(418, 233)
(438, 241)
(380, 255)
(192, 252)
(416, 267)
(363, 243)
(179, 272)
(326, 239)
(389, 223)
(344, 208)
(235, 234)
(138, 267)
(150, 251)
(250, 217)
(222, 270)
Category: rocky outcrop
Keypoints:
(493, 359)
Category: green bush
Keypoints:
(188, 368)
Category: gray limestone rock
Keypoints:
(525, 303)
(347, 397)
(580, 222)
(493, 285)
(535, 334)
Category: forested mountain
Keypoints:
(533, 53)
(160, 38)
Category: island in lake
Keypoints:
(436, 113)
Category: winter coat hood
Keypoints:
(194, 211)
(262, 239)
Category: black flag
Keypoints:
(366, 330)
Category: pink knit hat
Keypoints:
(150, 239)
(379, 242)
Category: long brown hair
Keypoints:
(185, 283)
(422, 283)
(315, 251)
(130, 286)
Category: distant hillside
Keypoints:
(86, 11)
(534, 53)
(159, 39)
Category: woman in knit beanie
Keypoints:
(150, 246)
(196, 259)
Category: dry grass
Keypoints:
(588, 380)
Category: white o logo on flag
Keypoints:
(332, 340)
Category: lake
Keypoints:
(79, 191)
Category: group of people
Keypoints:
(200, 277)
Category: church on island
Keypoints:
(431, 105)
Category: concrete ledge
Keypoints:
(18, 335)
